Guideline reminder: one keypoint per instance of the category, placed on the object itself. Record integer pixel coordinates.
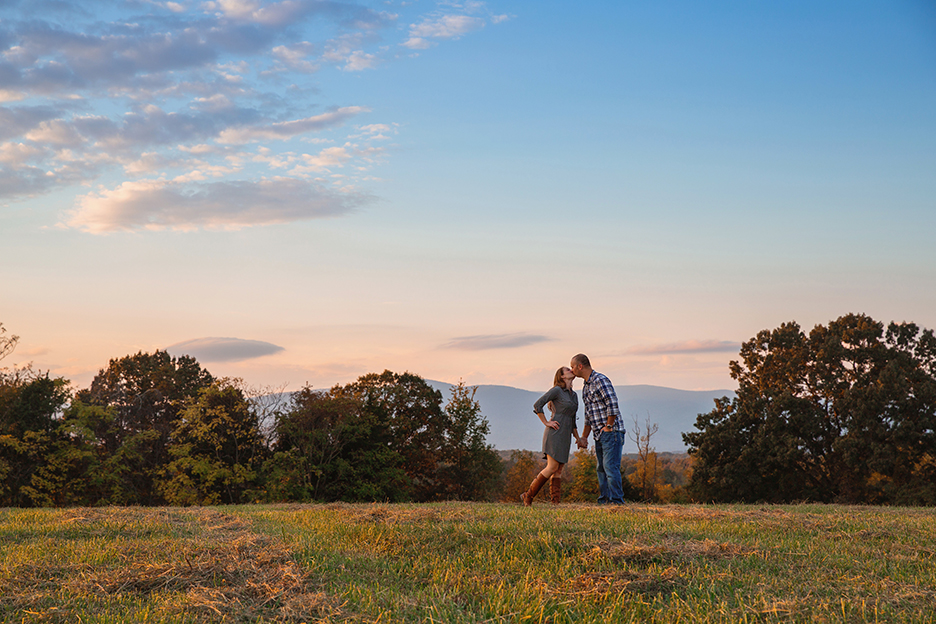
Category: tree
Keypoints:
(7, 344)
(411, 410)
(102, 477)
(30, 402)
(215, 448)
(521, 470)
(327, 447)
(847, 413)
(645, 478)
(582, 477)
(469, 467)
(144, 393)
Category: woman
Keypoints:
(563, 403)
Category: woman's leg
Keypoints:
(551, 466)
(555, 485)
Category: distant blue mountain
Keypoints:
(514, 426)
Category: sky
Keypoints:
(303, 191)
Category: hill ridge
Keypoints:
(509, 411)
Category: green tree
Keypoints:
(469, 467)
(30, 403)
(103, 476)
(411, 410)
(215, 449)
(327, 447)
(144, 393)
(846, 413)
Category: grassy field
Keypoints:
(464, 562)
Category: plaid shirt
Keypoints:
(600, 403)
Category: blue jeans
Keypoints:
(608, 449)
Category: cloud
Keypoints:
(161, 204)
(689, 346)
(153, 126)
(223, 349)
(289, 129)
(164, 94)
(288, 12)
(495, 341)
(15, 155)
(19, 178)
(56, 133)
(52, 59)
(296, 57)
(328, 157)
(22, 119)
(444, 27)
(346, 52)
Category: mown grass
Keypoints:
(463, 562)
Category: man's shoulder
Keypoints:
(599, 378)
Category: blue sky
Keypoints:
(304, 191)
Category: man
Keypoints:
(603, 416)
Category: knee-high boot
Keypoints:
(528, 496)
(555, 488)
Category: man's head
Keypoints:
(580, 366)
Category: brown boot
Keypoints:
(555, 489)
(528, 496)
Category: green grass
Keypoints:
(464, 562)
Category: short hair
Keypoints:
(582, 359)
(557, 379)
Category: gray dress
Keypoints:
(557, 442)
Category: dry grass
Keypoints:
(214, 569)
(469, 563)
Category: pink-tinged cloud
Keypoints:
(495, 341)
(288, 129)
(445, 27)
(223, 349)
(161, 205)
(688, 346)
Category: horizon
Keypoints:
(302, 192)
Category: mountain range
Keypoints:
(509, 412)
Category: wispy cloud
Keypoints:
(426, 33)
(160, 205)
(495, 341)
(223, 349)
(289, 129)
(688, 346)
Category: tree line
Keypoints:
(845, 413)
(154, 429)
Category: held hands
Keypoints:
(582, 443)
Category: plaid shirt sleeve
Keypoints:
(602, 402)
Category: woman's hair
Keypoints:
(557, 380)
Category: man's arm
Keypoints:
(608, 398)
